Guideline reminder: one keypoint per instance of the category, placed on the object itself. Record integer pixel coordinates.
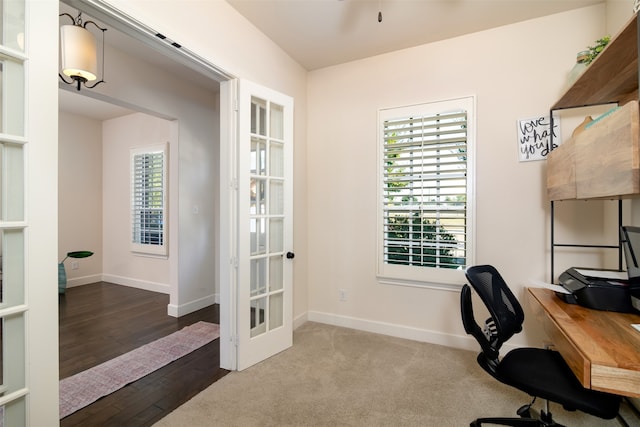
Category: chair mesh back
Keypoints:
(503, 306)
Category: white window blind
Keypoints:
(424, 218)
(148, 200)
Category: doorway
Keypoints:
(147, 82)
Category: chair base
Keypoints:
(545, 420)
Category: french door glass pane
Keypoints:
(276, 160)
(12, 31)
(276, 277)
(13, 362)
(14, 413)
(257, 205)
(258, 235)
(258, 320)
(258, 276)
(275, 311)
(258, 116)
(277, 121)
(276, 198)
(258, 162)
(12, 182)
(12, 90)
(12, 268)
(276, 229)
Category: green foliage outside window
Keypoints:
(404, 231)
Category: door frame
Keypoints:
(227, 276)
(41, 217)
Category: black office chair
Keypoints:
(539, 372)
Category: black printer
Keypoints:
(597, 289)
(608, 290)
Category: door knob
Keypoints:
(291, 255)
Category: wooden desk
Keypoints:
(601, 347)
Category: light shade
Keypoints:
(78, 52)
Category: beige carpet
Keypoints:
(335, 376)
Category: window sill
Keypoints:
(149, 255)
(455, 287)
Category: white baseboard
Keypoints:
(134, 283)
(464, 342)
(190, 307)
(300, 320)
(85, 280)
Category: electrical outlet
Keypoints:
(75, 265)
(343, 295)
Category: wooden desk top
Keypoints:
(602, 347)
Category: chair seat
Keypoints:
(544, 373)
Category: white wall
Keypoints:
(80, 195)
(618, 13)
(94, 205)
(515, 72)
(122, 266)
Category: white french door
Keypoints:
(265, 224)
(28, 213)
(13, 217)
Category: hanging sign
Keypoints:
(534, 137)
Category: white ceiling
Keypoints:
(81, 105)
(320, 33)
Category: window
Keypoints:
(148, 199)
(425, 216)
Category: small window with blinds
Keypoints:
(425, 221)
(148, 199)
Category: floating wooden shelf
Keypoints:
(612, 77)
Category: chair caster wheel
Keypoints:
(524, 411)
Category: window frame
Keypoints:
(424, 276)
(149, 249)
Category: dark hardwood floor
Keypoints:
(101, 321)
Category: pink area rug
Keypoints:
(86, 387)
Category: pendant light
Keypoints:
(78, 53)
